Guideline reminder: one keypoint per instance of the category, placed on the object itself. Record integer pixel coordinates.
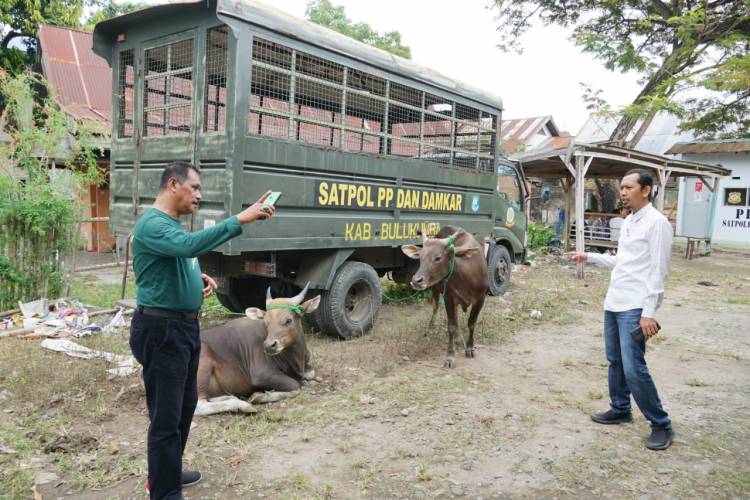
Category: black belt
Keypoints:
(166, 313)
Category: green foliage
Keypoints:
(109, 9)
(395, 293)
(677, 47)
(539, 235)
(331, 16)
(38, 207)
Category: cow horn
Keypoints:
(424, 239)
(268, 296)
(297, 299)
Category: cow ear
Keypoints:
(254, 313)
(466, 251)
(411, 251)
(312, 304)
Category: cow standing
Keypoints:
(263, 355)
(452, 264)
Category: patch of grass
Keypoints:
(595, 394)
(741, 299)
(696, 382)
(422, 473)
(568, 362)
(90, 291)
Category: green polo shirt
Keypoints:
(165, 259)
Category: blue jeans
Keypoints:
(628, 373)
(169, 350)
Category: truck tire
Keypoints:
(498, 268)
(351, 306)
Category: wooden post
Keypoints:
(566, 184)
(581, 166)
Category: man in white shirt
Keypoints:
(635, 293)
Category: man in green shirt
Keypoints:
(165, 332)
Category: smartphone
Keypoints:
(637, 333)
(272, 198)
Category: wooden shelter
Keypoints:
(573, 164)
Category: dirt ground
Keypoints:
(385, 420)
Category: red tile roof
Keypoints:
(82, 79)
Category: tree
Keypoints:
(38, 206)
(693, 56)
(21, 19)
(331, 16)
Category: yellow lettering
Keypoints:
(348, 232)
(351, 192)
(459, 202)
(366, 231)
(370, 203)
(333, 195)
(400, 198)
(388, 196)
(323, 193)
(381, 196)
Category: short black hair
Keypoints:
(644, 179)
(179, 170)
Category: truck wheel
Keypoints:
(498, 267)
(353, 302)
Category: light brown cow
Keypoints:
(452, 264)
(262, 356)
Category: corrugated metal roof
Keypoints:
(519, 132)
(276, 20)
(82, 79)
(724, 146)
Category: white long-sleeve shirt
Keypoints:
(640, 266)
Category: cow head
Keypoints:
(435, 257)
(283, 320)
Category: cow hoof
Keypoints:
(449, 363)
(309, 374)
(469, 352)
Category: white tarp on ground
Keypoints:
(126, 363)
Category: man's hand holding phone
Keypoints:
(261, 209)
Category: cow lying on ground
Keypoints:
(452, 264)
(263, 355)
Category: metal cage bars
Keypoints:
(298, 96)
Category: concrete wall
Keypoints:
(731, 222)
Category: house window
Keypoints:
(168, 89)
(735, 197)
(126, 84)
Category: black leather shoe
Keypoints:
(612, 417)
(190, 477)
(660, 439)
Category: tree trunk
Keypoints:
(607, 194)
(626, 124)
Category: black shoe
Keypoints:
(190, 477)
(612, 417)
(660, 438)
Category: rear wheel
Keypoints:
(498, 267)
(350, 307)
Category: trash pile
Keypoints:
(63, 318)
(68, 318)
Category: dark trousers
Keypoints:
(169, 350)
(628, 373)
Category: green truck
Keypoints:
(370, 151)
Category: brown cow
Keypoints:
(465, 286)
(265, 351)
